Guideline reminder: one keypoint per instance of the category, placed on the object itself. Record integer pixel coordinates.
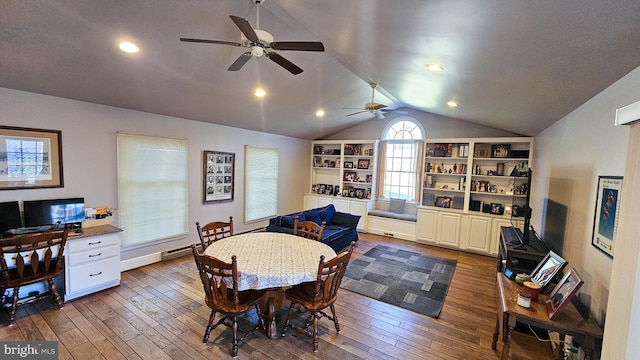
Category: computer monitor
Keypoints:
(9, 216)
(53, 212)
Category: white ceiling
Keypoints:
(514, 65)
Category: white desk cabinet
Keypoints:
(92, 261)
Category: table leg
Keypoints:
(272, 305)
(511, 320)
(496, 333)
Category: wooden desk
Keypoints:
(569, 322)
(269, 260)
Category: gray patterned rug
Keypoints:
(402, 278)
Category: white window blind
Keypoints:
(152, 188)
(260, 183)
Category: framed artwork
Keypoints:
(547, 268)
(482, 150)
(500, 151)
(563, 292)
(30, 158)
(218, 172)
(605, 219)
(363, 163)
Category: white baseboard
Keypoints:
(140, 261)
(405, 230)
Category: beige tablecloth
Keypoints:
(271, 260)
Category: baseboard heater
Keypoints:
(186, 250)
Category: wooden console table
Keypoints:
(569, 321)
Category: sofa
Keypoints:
(339, 230)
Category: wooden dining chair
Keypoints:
(29, 259)
(317, 295)
(308, 229)
(220, 282)
(214, 231)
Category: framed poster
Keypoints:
(218, 172)
(605, 222)
(30, 158)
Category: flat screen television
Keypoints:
(53, 212)
(9, 216)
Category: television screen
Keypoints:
(9, 216)
(56, 211)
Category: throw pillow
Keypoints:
(287, 220)
(312, 215)
(397, 205)
(344, 219)
(327, 213)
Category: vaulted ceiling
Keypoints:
(513, 65)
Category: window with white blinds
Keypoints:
(260, 183)
(152, 188)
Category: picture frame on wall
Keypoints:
(605, 219)
(219, 170)
(30, 158)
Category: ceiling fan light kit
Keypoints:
(259, 42)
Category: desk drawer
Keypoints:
(97, 254)
(94, 273)
(90, 243)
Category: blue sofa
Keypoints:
(339, 230)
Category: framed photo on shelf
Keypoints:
(500, 151)
(359, 193)
(363, 163)
(547, 269)
(348, 164)
(328, 190)
(317, 150)
(605, 219)
(563, 292)
(317, 161)
(482, 150)
(345, 192)
(443, 201)
(30, 158)
(218, 175)
(350, 176)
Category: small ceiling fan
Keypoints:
(374, 108)
(260, 42)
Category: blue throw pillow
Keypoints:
(326, 213)
(345, 219)
(287, 220)
(312, 215)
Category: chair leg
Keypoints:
(287, 322)
(234, 326)
(335, 318)
(14, 304)
(54, 291)
(261, 323)
(210, 326)
(315, 332)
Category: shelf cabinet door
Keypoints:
(311, 202)
(427, 220)
(477, 234)
(448, 229)
(359, 208)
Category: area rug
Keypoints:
(402, 278)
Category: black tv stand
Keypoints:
(517, 257)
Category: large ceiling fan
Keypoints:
(260, 42)
(374, 108)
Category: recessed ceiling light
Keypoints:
(452, 104)
(129, 47)
(320, 113)
(260, 92)
(434, 68)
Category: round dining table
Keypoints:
(269, 260)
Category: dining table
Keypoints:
(271, 261)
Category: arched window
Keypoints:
(401, 150)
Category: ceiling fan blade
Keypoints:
(401, 112)
(379, 107)
(379, 114)
(239, 63)
(354, 108)
(298, 45)
(359, 112)
(245, 27)
(210, 41)
(278, 59)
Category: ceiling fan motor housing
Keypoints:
(257, 48)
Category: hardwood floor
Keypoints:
(158, 312)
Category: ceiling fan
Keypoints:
(374, 108)
(260, 42)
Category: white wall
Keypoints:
(569, 156)
(89, 156)
(435, 126)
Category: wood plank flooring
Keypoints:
(158, 313)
